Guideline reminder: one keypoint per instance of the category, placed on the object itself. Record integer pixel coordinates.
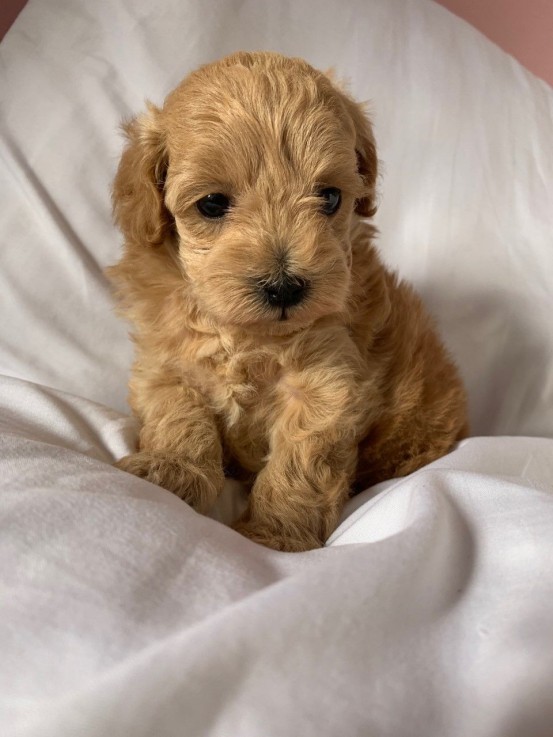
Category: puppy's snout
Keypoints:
(287, 291)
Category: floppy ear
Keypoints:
(367, 161)
(138, 189)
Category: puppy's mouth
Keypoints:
(280, 304)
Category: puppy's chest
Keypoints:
(239, 383)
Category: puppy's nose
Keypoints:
(287, 291)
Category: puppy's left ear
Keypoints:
(138, 189)
(367, 161)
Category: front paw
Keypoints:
(290, 541)
(196, 485)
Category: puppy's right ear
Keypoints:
(138, 189)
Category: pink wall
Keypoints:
(524, 28)
(8, 13)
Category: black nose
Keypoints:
(286, 291)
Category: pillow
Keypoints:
(465, 139)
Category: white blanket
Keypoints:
(123, 612)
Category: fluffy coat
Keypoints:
(305, 402)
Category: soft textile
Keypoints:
(123, 612)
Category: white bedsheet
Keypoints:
(122, 612)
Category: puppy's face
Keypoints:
(261, 164)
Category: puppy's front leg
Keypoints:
(297, 498)
(179, 445)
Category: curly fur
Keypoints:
(353, 387)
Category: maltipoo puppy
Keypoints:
(270, 339)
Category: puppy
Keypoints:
(270, 339)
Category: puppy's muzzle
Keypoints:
(284, 292)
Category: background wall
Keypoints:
(524, 28)
(8, 13)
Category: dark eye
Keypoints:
(213, 205)
(332, 197)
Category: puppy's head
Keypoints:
(253, 169)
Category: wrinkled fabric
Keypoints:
(122, 611)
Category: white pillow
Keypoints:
(465, 137)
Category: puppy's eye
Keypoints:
(213, 205)
(332, 198)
